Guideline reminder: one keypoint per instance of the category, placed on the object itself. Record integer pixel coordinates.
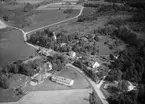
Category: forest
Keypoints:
(130, 64)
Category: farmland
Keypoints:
(10, 42)
(46, 17)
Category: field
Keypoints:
(14, 15)
(55, 6)
(46, 17)
(36, 1)
(12, 47)
(30, 1)
(76, 96)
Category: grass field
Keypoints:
(57, 97)
(75, 96)
(12, 47)
(46, 17)
(30, 1)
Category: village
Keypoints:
(76, 56)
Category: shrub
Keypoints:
(81, 18)
(68, 11)
(117, 22)
(6, 17)
(108, 30)
(127, 36)
(90, 17)
(28, 7)
(91, 5)
(3, 81)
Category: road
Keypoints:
(2, 24)
(95, 86)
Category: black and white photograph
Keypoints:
(72, 51)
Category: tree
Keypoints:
(6, 17)
(28, 7)
(3, 81)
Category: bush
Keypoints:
(6, 17)
(127, 36)
(91, 5)
(68, 11)
(28, 7)
(90, 17)
(3, 81)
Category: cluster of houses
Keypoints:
(46, 68)
(94, 67)
(45, 73)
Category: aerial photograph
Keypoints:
(72, 51)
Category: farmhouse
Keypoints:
(69, 2)
(62, 80)
(46, 52)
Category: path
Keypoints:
(95, 86)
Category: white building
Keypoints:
(46, 52)
(47, 66)
(95, 65)
(62, 80)
(54, 36)
(72, 54)
(39, 78)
